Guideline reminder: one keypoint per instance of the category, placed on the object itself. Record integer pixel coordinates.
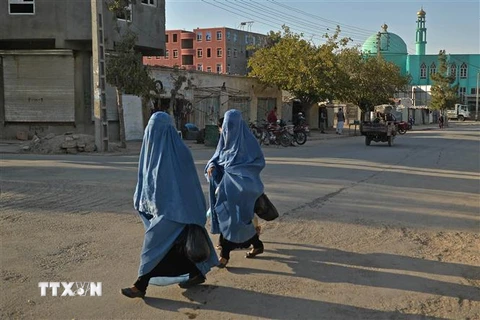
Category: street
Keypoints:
(365, 232)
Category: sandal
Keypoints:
(254, 252)
(222, 263)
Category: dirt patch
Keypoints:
(66, 143)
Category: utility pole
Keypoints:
(99, 81)
(379, 35)
(476, 103)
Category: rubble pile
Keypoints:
(66, 143)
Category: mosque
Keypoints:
(420, 66)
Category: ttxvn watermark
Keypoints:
(71, 289)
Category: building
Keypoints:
(218, 50)
(420, 66)
(46, 61)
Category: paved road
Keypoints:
(366, 232)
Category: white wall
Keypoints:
(132, 113)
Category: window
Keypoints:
(234, 37)
(209, 53)
(473, 91)
(246, 39)
(149, 2)
(219, 68)
(453, 70)
(461, 93)
(209, 69)
(158, 57)
(125, 14)
(200, 67)
(166, 38)
(229, 52)
(254, 40)
(199, 53)
(166, 54)
(433, 68)
(228, 35)
(423, 71)
(219, 52)
(228, 68)
(463, 71)
(234, 53)
(219, 35)
(175, 37)
(199, 36)
(175, 53)
(21, 6)
(208, 36)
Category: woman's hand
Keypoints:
(210, 171)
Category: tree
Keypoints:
(294, 64)
(444, 93)
(126, 72)
(368, 80)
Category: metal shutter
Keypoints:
(39, 87)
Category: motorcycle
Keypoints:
(402, 127)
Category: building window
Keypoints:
(149, 2)
(166, 54)
(219, 68)
(199, 53)
(219, 52)
(175, 53)
(246, 39)
(473, 91)
(219, 35)
(200, 67)
(463, 71)
(228, 68)
(433, 68)
(125, 14)
(158, 57)
(461, 92)
(234, 53)
(209, 69)
(199, 36)
(229, 52)
(453, 70)
(21, 6)
(175, 37)
(208, 36)
(166, 38)
(254, 40)
(209, 53)
(234, 37)
(228, 35)
(423, 71)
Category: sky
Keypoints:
(452, 25)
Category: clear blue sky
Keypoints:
(451, 25)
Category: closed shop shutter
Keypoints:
(242, 104)
(205, 110)
(264, 106)
(39, 87)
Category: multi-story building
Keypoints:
(46, 61)
(218, 50)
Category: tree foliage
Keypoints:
(330, 71)
(444, 93)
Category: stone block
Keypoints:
(69, 144)
(22, 135)
(68, 138)
(50, 136)
(72, 150)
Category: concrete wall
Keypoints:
(69, 24)
(132, 110)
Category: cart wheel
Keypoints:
(367, 141)
(390, 141)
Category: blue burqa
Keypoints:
(235, 184)
(168, 194)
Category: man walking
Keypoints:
(340, 120)
(323, 119)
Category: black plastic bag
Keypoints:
(197, 248)
(265, 209)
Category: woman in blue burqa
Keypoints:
(168, 197)
(234, 176)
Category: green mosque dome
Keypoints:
(390, 43)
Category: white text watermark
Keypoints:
(70, 289)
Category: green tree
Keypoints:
(294, 64)
(444, 93)
(367, 80)
(126, 72)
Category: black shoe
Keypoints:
(254, 252)
(128, 292)
(192, 282)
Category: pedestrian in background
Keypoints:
(168, 198)
(323, 119)
(340, 120)
(234, 176)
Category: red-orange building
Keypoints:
(219, 50)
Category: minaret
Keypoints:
(421, 39)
